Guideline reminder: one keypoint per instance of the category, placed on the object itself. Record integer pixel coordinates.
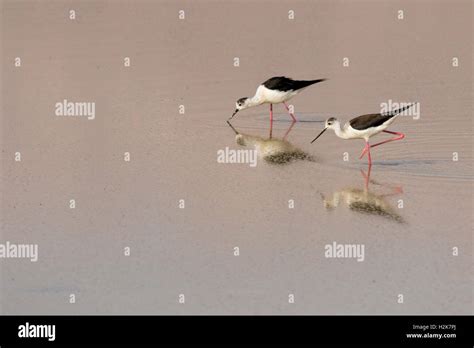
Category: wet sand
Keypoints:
(173, 156)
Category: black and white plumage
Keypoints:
(274, 91)
(364, 127)
(375, 120)
(284, 84)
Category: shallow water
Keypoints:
(408, 250)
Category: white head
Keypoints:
(240, 104)
(331, 123)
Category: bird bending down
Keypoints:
(364, 127)
(274, 91)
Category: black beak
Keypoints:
(235, 131)
(319, 135)
(236, 111)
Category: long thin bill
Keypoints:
(319, 135)
(230, 125)
(236, 111)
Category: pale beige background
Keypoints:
(190, 251)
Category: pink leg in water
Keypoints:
(366, 177)
(289, 130)
(271, 120)
(368, 155)
(367, 149)
(291, 114)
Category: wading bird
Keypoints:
(364, 127)
(274, 91)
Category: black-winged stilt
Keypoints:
(274, 91)
(364, 127)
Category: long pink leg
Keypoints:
(366, 149)
(289, 130)
(366, 177)
(288, 109)
(271, 120)
(400, 136)
(368, 155)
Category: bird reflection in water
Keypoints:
(272, 150)
(361, 200)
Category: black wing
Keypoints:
(369, 121)
(375, 120)
(282, 83)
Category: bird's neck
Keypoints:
(340, 131)
(255, 100)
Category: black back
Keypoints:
(369, 121)
(375, 120)
(282, 83)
